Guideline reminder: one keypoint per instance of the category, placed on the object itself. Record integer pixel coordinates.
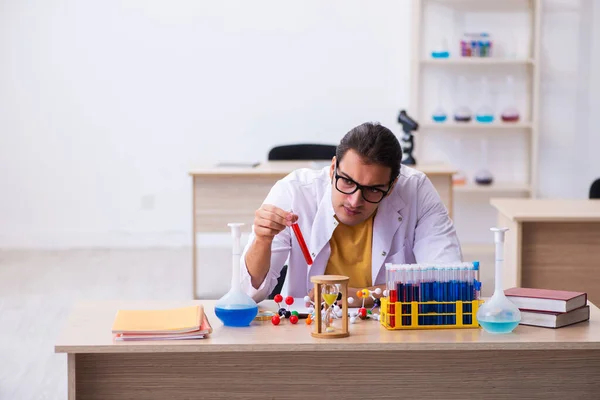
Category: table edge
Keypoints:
(321, 347)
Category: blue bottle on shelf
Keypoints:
(441, 51)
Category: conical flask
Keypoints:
(510, 113)
(439, 113)
(483, 176)
(499, 315)
(485, 112)
(236, 308)
(462, 113)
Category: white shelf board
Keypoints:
(483, 5)
(493, 188)
(474, 125)
(477, 61)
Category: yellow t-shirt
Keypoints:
(351, 248)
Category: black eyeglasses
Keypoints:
(348, 186)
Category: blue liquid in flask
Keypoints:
(440, 54)
(236, 314)
(439, 117)
(236, 308)
(499, 327)
(484, 119)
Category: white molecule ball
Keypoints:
(350, 300)
(353, 320)
(378, 291)
(306, 299)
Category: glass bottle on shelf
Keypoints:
(510, 112)
(462, 112)
(439, 113)
(485, 112)
(441, 50)
(483, 176)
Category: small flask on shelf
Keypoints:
(462, 113)
(441, 50)
(483, 176)
(510, 112)
(439, 113)
(485, 113)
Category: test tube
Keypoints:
(416, 281)
(302, 244)
(456, 290)
(476, 281)
(430, 294)
(422, 292)
(446, 286)
(436, 293)
(464, 290)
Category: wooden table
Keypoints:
(553, 244)
(266, 361)
(225, 194)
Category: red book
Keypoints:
(546, 300)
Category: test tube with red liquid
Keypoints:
(302, 244)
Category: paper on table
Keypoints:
(175, 320)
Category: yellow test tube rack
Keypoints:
(392, 316)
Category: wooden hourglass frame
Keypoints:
(342, 283)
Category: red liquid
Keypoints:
(302, 244)
(510, 118)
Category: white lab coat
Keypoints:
(411, 226)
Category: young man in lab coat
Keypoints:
(361, 212)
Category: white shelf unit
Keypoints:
(477, 61)
(474, 126)
(515, 20)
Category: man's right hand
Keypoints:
(270, 220)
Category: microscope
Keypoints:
(407, 142)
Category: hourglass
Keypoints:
(328, 288)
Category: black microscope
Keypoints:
(407, 142)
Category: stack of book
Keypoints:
(549, 308)
(169, 324)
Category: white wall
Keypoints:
(104, 105)
(569, 139)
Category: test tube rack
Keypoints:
(431, 296)
(412, 315)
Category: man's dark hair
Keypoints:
(375, 143)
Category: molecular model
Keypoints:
(362, 311)
(284, 312)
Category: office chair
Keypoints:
(595, 189)
(294, 152)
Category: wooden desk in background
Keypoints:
(266, 361)
(226, 194)
(552, 244)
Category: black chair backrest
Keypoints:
(595, 189)
(302, 152)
